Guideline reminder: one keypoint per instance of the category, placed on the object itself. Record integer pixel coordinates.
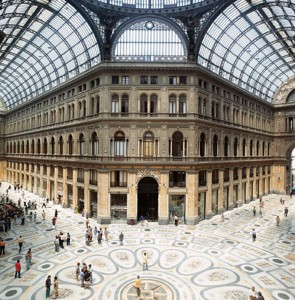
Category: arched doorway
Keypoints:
(147, 199)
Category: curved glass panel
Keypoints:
(149, 40)
(45, 43)
(252, 45)
(151, 4)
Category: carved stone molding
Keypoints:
(148, 173)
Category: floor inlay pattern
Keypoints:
(213, 260)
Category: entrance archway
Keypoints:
(147, 199)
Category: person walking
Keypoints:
(56, 243)
(43, 215)
(31, 217)
(260, 296)
(137, 285)
(176, 220)
(55, 213)
(106, 234)
(20, 241)
(95, 231)
(55, 288)
(99, 237)
(252, 294)
(87, 223)
(47, 286)
(53, 222)
(2, 247)
(254, 211)
(144, 262)
(253, 235)
(278, 220)
(68, 239)
(28, 260)
(35, 217)
(286, 211)
(17, 269)
(121, 238)
(78, 271)
(260, 213)
(90, 270)
(82, 276)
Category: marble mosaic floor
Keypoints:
(212, 260)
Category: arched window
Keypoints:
(236, 145)
(97, 104)
(119, 147)
(268, 149)
(153, 104)
(148, 144)
(71, 144)
(61, 145)
(215, 145)
(263, 146)
(172, 104)
(226, 146)
(115, 103)
(14, 147)
(18, 147)
(202, 145)
(143, 104)
(45, 146)
(28, 147)
(178, 147)
(32, 147)
(69, 112)
(251, 148)
(94, 144)
(182, 104)
(82, 144)
(257, 148)
(52, 146)
(23, 147)
(244, 147)
(38, 146)
(125, 104)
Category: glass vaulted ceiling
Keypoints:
(46, 42)
(251, 43)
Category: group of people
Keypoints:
(60, 239)
(48, 284)
(254, 295)
(84, 274)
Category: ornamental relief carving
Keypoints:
(281, 96)
(148, 173)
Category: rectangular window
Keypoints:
(154, 79)
(143, 80)
(226, 175)
(125, 79)
(182, 80)
(93, 177)
(115, 79)
(118, 179)
(173, 80)
(80, 175)
(236, 173)
(177, 179)
(118, 206)
(215, 176)
(202, 178)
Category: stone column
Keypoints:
(25, 176)
(41, 192)
(221, 191)
(209, 195)
(260, 182)
(163, 200)
(30, 178)
(65, 186)
(192, 198)
(231, 189)
(248, 185)
(48, 181)
(75, 190)
(35, 180)
(103, 208)
(254, 184)
(132, 197)
(240, 187)
(86, 193)
(55, 194)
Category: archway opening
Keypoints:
(147, 199)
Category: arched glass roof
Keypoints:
(251, 43)
(45, 43)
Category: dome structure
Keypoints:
(46, 42)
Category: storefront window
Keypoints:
(201, 206)
(119, 207)
(177, 207)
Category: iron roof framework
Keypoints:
(248, 42)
